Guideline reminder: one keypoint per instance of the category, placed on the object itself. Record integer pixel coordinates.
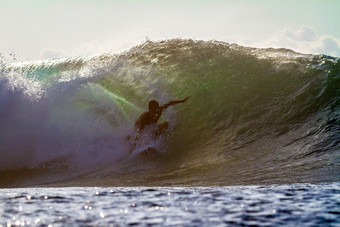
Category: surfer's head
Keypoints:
(153, 105)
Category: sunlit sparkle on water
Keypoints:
(305, 204)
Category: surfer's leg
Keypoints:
(161, 128)
(132, 141)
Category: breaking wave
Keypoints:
(256, 116)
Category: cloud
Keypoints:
(330, 45)
(305, 40)
(306, 34)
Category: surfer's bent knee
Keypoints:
(164, 125)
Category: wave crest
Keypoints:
(264, 115)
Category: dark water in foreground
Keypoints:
(288, 205)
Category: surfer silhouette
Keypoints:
(151, 117)
(148, 122)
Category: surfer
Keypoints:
(151, 117)
(149, 120)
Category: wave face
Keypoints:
(256, 116)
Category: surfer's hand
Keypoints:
(185, 99)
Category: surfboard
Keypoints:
(142, 145)
(148, 152)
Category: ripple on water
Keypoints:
(265, 205)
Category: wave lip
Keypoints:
(256, 116)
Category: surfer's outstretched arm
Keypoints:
(174, 102)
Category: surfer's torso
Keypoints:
(148, 118)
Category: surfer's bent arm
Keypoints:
(174, 102)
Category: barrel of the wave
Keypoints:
(263, 115)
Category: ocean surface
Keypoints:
(266, 118)
(279, 205)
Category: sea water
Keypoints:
(267, 118)
(271, 205)
(255, 116)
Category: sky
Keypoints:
(41, 29)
